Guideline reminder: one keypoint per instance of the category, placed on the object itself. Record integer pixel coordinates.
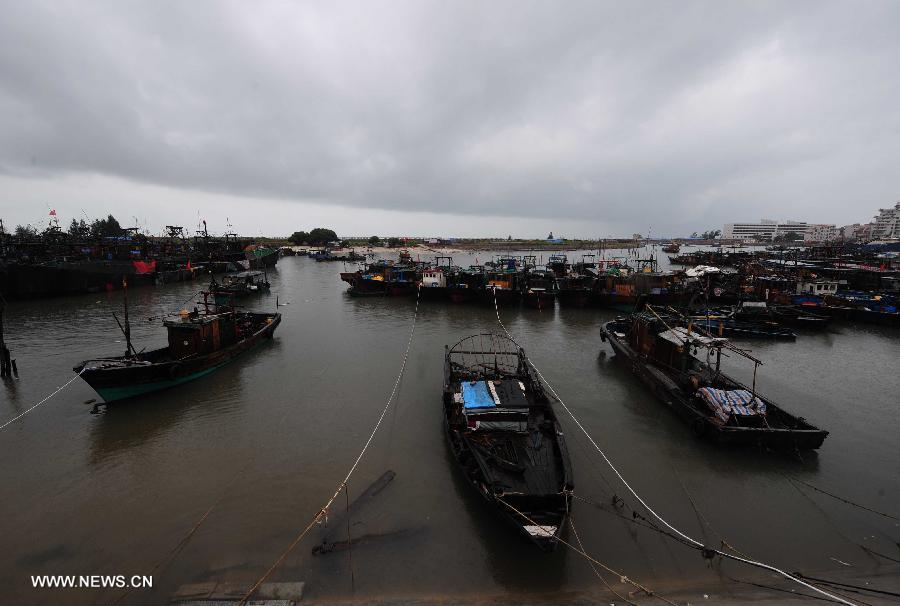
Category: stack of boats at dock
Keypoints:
(751, 295)
(58, 263)
(509, 280)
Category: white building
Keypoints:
(766, 229)
(887, 223)
(820, 232)
(856, 231)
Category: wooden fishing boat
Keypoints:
(725, 325)
(199, 344)
(576, 288)
(505, 438)
(383, 278)
(503, 283)
(662, 355)
(466, 284)
(627, 291)
(239, 284)
(540, 288)
(785, 315)
(436, 279)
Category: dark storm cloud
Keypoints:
(667, 113)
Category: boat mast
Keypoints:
(129, 349)
(126, 329)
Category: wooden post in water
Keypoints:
(7, 365)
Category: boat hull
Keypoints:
(462, 456)
(575, 297)
(539, 300)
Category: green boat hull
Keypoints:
(111, 394)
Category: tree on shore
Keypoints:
(393, 242)
(316, 237)
(790, 236)
(298, 237)
(711, 234)
(25, 231)
(79, 229)
(108, 227)
(374, 240)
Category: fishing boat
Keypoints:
(503, 283)
(505, 438)
(577, 286)
(539, 288)
(682, 366)
(865, 307)
(558, 264)
(436, 279)
(466, 284)
(625, 290)
(199, 344)
(383, 278)
(724, 324)
(672, 247)
(785, 315)
(240, 283)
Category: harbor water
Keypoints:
(259, 446)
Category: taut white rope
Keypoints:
(694, 542)
(58, 389)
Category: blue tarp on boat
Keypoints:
(477, 395)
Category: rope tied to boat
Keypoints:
(681, 536)
(323, 512)
(622, 577)
(56, 391)
(571, 493)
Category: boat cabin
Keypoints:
(817, 287)
(193, 334)
(434, 278)
(249, 280)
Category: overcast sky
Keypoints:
(449, 118)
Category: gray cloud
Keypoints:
(679, 115)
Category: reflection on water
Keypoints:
(269, 436)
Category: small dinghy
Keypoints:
(505, 437)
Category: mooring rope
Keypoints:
(323, 512)
(594, 560)
(843, 500)
(56, 391)
(590, 563)
(693, 542)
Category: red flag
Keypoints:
(189, 264)
(53, 213)
(144, 267)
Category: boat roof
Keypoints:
(179, 321)
(245, 274)
(680, 335)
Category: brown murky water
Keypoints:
(268, 438)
